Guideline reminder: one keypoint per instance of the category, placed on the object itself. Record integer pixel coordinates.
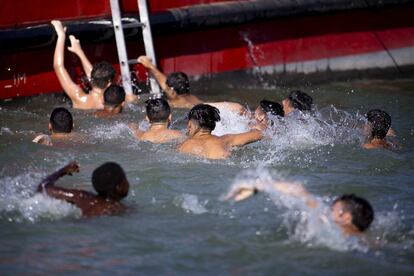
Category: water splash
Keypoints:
(231, 123)
(309, 226)
(19, 203)
(254, 53)
(190, 203)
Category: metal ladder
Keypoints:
(120, 44)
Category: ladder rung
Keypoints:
(132, 61)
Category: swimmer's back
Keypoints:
(184, 101)
(212, 147)
(161, 136)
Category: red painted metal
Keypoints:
(209, 51)
(25, 12)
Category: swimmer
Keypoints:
(202, 120)
(266, 108)
(60, 127)
(109, 181)
(379, 123)
(100, 74)
(159, 116)
(176, 86)
(351, 213)
(114, 101)
(297, 100)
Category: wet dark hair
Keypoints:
(272, 108)
(158, 110)
(179, 82)
(300, 100)
(380, 122)
(114, 95)
(102, 74)
(360, 209)
(106, 178)
(61, 120)
(205, 115)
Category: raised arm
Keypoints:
(71, 89)
(158, 75)
(243, 138)
(76, 48)
(50, 180)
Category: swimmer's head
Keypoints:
(158, 110)
(102, 75)
(297, 100)
(114, 96)
(267, 108)
(202, 116)
(380, 122)
(110, 181)
(61, 121)
(178, 82)
(351, 210)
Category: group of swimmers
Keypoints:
(352, 213)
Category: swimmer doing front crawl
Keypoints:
(109, 180)
(101, 75)
(202, 120)
(351, 213)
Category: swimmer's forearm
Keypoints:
(159, 76)
(51, 179)
(59, 57)
(86, 64)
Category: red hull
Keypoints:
(280, 44)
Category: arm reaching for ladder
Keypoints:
(158, 75)
(77, 50)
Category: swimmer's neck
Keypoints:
(59, 134)
(113, 109)
(97, 91)
(159, 125)
(202, 133)
(378, 141)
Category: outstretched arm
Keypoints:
(295, 189)
(76, 48)
(72, 89)
(243, 138)
(158, 75)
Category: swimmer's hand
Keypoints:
(72, 167)
(145, 61)
(241, 193)
(75, 46)
(60, 30)
(43, 139)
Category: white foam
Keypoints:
(231, 123)
(190, 203)
(310, 226)
(18, 204)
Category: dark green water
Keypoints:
(177, 224)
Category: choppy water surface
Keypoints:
(177, 223)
